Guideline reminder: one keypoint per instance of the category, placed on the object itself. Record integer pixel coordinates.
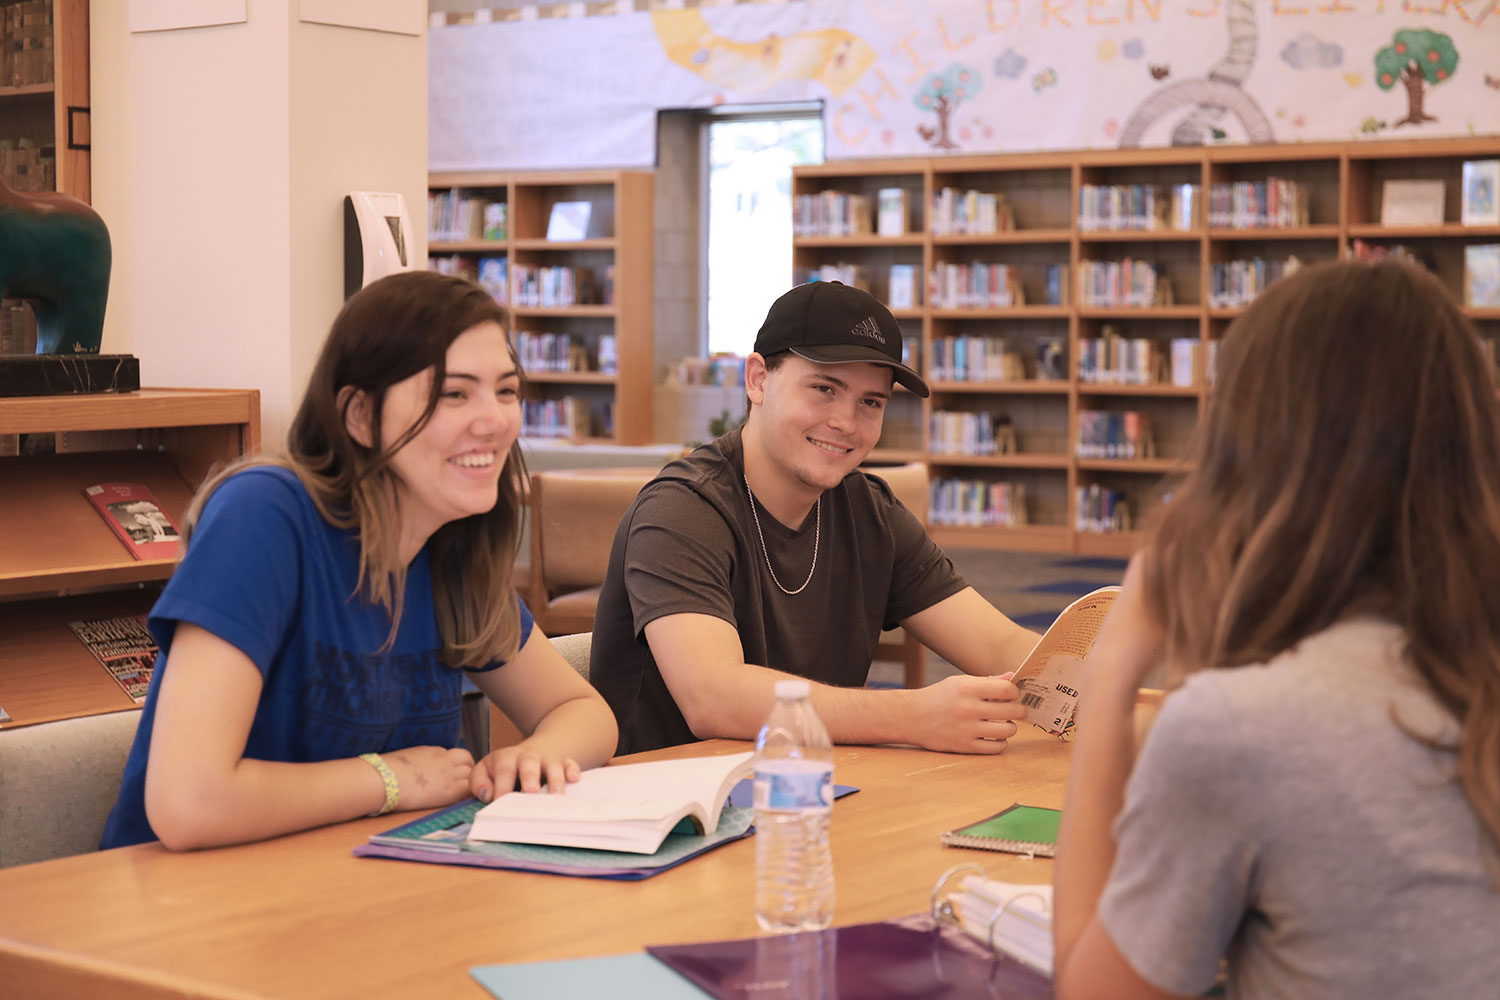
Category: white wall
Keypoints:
(220, 159)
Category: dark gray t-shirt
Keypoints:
(689, 545)
(1284, 817)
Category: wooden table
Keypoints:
(298, 916)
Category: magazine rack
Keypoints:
(60, 562)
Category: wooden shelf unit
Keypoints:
(1343, 182)
(41, 111)
(620, 236)
(61, 562)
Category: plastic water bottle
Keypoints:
(793, 803)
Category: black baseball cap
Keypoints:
(832, 323)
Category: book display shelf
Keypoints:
(570, 256)
(1069, 337)
(60, 562)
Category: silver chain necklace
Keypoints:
(817, 529)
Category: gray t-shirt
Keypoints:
(1280, 815)
(689, 544)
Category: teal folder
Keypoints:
(618, 977)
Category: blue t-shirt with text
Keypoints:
(267, 574)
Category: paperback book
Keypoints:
(1051, 674)
(1481, 193)
(137, 520)
(1482, 275)
(125, 647)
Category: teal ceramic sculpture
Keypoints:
(54, 252)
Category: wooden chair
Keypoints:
(574, 514)
(909, 483)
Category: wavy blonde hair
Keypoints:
(1348, 462)
(392, 330)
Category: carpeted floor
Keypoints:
(1029, 587)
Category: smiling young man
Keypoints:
(767, 553)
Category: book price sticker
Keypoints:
(1051, 697)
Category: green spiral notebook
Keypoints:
(1017, 829)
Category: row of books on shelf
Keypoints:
(557, 287)
(989, 359)
(1128, 282)
(569, 418)
(722, 370)
(1118, 360)
(26, 43)
(491, 273)
(561, 352)
(1115, 434)
(1233, 283)
(974, 503)
(832, 213)
(957, 432)
(970, 213)
(27, 165)
(1275, 202)
(1138, 207)
(844, 213)
(980, 285)
(458, 214)
(1100, 510)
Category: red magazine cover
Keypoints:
(135, 517)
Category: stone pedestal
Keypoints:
(68, 374)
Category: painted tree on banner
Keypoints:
(1416, 58)
(942, 93)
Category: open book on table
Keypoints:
(1049, 677)
(629, 807)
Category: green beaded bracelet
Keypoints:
(387, 778)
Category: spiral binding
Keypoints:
(944, 912)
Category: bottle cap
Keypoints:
(793, 688)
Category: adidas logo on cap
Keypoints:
(867, 327)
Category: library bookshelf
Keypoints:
(54, 112)
(60, 562)
(1341, 185)
(589, 296)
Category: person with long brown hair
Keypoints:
(315, 637)
(1318, 801)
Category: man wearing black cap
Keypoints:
(767, 553)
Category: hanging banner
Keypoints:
(918, 77)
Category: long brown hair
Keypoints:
(387, 332)
(1348, 461)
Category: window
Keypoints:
(749, 260)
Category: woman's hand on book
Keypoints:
(429, 777)
(503, 770)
